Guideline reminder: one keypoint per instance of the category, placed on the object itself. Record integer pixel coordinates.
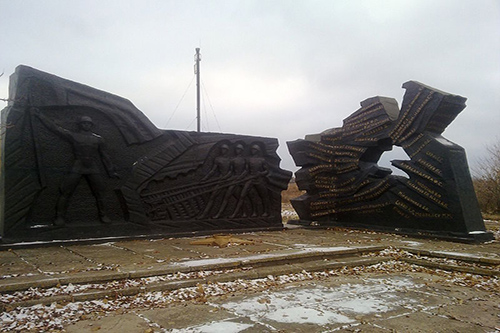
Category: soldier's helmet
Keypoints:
(86, 119)
(256, 147)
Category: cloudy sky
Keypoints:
(280, 68)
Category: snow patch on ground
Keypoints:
(215, 327)
(219, 261)
(325, 305)
(412, 243)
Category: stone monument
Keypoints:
(80, 163)
(346, 187)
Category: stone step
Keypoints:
(273, 259)
(245, 268)
(245, 274)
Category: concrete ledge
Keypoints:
(314, 267)
(256, 273)
(449, 267)
(93, 277)
(452, 255)
(287, 262)
(43, 301)
(24, 284)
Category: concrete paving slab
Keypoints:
(233, 250)
(475, 312)
(13, 265)
(168, 250)
(113, 256)
(112, 324)
(286, 239)
(442, 287)
(268, 258)
(426, 322)
(53, 259)
(236, 250)
(364, 328)
(187, 315)
(331, 237)
(318, 306)
(299, 309)
(158, 249)
(488, 249)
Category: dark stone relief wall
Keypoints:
(131, 177)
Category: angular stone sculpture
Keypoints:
(346, 187)
(81, 163)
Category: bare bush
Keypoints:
(487, 180)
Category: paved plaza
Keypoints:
(295, 280)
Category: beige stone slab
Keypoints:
(326, 237)
(11, 264)
(234, 250)
(113, 256)
(284, 238)
(426, 322)
(162, 250)
(478, 311)
(54, 259)
(481, 250)
(111, 324)
(442, 287)
(186, 315)
(363, 328)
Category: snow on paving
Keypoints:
(325, 305)
(412, 243)
(215, 327)
(221, 261)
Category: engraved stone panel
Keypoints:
(346, 186)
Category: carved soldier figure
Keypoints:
(222, 166)
(88, 150)
(257, 170)
(239, 171)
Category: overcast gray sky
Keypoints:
(269, 68)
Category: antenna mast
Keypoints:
(197, 59)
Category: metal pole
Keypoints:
(197, 58)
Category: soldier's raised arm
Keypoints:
(51, 125)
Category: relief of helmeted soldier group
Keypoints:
(241, 173)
